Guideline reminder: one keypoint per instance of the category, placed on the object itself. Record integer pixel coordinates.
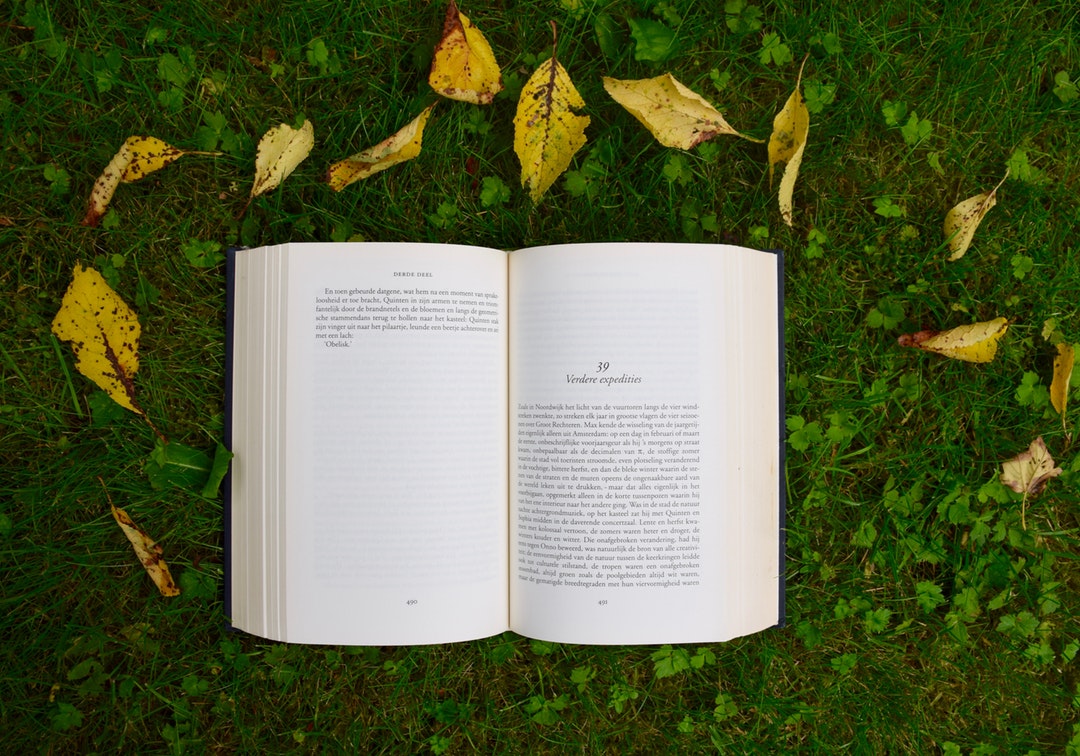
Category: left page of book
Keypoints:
(369, 487)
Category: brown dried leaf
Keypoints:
(148, 552)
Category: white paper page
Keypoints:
(395, 438)
(644, 443)
(255, 511)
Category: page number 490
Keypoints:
(411, 602)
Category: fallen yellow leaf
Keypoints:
(281, 149)
(976, 342)
(148, 552)
(1059, 385)
(137, 157)
(962, 220)
(674, 114)
(104, 335)
(547, 131)
(401, 146)
(787, 144)
(464, 66)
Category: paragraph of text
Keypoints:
(344, 315)
(608, 495)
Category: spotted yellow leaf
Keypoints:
(976, 342)
(280, 150)
(137, 157)
(104, 335)
(787, 144)
(674, 114)
(401, 146)
(962, 220)
(547, 131)
(464, 66)
(148, 552)
(1059, 384)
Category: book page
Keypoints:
(394, 520)
(645, 416)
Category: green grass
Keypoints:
(921, 617)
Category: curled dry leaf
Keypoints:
(976, 342)
(403, 145)
(547, 131)
(962, 220)
(104, 335)
(787, 144)
(674, 114)
(464, 66)
(281, 149)
(148, 551)
(1059, 385)
(137, 157)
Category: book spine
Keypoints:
(781, 432)
(230, 294)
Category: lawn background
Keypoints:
(922, 617)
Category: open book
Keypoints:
(435, 443)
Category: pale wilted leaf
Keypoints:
(976, 342)
(464, 66)
(962, 220)
(401, 146)
(674, 114)
(280, 151)
(1028, 473)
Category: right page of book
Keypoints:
(646, 470)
